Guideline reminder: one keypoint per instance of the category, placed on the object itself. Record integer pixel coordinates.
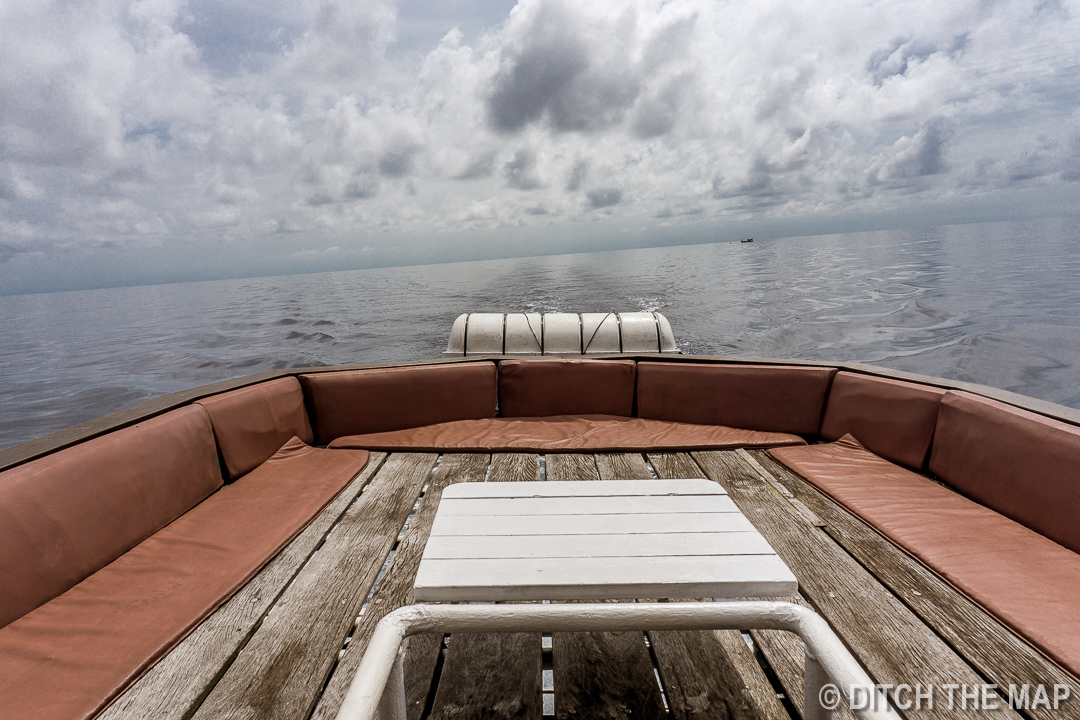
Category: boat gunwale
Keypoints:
(87, 430)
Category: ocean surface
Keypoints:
(996, 303)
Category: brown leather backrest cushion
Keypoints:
(251, 423)
(1023, 465)
(354, 402)
(67, 515)
(754, 397)
(537, 388)
(891, 418)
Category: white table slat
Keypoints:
(614, 505)
(598, 546)
(575, 488)
(629, 524)
(595, 540)
(725, 576)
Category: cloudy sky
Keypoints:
(156, 140)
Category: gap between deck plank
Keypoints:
(174, 687)
(709, 675)
(891, 642)
(282, 669)
(992, 648)
(395, 590)
(493, 675)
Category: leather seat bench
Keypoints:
(115, 549)
(1005, 534)
(562, 405)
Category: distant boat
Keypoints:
(747, 240)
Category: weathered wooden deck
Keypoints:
(287, 645)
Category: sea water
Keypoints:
(991, 303)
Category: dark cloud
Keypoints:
(520, 172)
(549, 73)
(604, 197)
(1030, 166)
(363, 186)
(577, 175)
(915, 157)
(895, 58)
(657, 112)
(929, 156)
(320, 197)
(397, 163)
(757, 184)
(159, 131)
(480, 167)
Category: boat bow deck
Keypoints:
(287, 645)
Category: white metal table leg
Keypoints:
(814, 679)
(392, 702)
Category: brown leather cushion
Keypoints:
(755, 397)
(1027, 581)
(1023, 465)
(366, 401)
(70, 657)
(566, 433)
(891, 418)
(251, 423)
(533, 388)
(67, 515)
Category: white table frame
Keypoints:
(378, 688)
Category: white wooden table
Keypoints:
(615, 539)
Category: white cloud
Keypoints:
(283, 121)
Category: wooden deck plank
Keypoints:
(514, 467)
(570, 466)
(993, 649)
(622, 466)
(178, 683)
(675, 465)
(709, 674)
(608, 675)
(889, 640)
(494, 675)
(395, 590)
(488, 675)
(604, 675)
(282, 669)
